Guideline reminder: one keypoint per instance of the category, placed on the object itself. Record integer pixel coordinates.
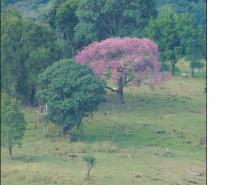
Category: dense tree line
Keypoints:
(30, 46)
(78, 23)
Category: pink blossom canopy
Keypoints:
(117, 54)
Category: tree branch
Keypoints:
(111, 89)
(127, 81)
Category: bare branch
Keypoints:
(111, 89)
(128, 81)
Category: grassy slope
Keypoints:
(173, 117)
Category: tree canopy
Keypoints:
(101, 19)
(27, 49)
(124, 60)
(177, 35)
(62, 18)
(71, 92)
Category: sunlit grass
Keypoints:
(131, 143)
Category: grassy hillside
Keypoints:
(157, 138)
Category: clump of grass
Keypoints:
(105, 146)
(90, 161)
(81, 147)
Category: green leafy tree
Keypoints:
(12, 60)
(62, 18)
(164, 31)
(193, 38)
(101, 19)
(27, 49)
(196, 8)
(71, 92)
(13, 124)
(178, 35)
(38, 42)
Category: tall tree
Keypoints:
(62, 18)
(164, 31)
(193, 38)
(100, 19)
(27, 49)
(123, 60)
(13, 124)
(13, 71)
(178, 35)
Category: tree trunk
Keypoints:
(32, 98)
(10, 153)
(192, 69)
(89, 170)
(173, 63)
(66, 130)
(120, 98)
(120, 94)
(192, 72)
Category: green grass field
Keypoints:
(156, 138)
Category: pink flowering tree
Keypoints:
(125, 61)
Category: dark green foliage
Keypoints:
(178, 36)
(12, 65)
(71, 91)
(165, 66)
(194, 40)
(62, 18)
(164, 31)
(101, 19)
(8, 2)
(26, 50)
(13, 123)
(196, 8)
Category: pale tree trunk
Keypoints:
(89, 170)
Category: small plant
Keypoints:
(90, 161)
